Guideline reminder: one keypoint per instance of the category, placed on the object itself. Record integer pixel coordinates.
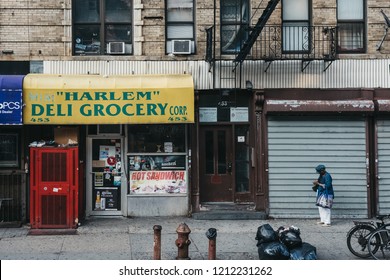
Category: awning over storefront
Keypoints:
(93, 99)
(11, 99)
(319, 106)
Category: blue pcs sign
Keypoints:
(11, 100)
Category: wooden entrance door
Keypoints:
(216, 164)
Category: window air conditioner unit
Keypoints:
(116, 48)
(181, 46)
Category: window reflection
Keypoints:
(102, 27)
(209, 152)
(156, 138)
(242, 158)
(221, 152)
(234, 24)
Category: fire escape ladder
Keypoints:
(256, 30)
(228, 75)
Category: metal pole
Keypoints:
(212, 236)
(157, 242)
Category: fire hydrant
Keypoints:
(182, 242)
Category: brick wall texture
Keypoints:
(42, 29)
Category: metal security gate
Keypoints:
(12, 193)
(383, 193)
(54, 187)
(297, 145)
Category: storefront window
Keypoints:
(156, 138)
(157, 160)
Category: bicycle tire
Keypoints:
(357, 240)
(382, 239)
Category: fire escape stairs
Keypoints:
(228, 73)
(255, 32)
(228, 70)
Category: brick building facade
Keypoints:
(42, 30)
(313, 63)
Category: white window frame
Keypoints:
(351, 22)
(296, 26)
(180, 23)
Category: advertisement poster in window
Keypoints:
(107, 154)
(155, 174)
(98, 179)
(110, 155)
(106, 199)
(158, 182)
(157, 162)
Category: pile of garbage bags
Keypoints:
(283, 244)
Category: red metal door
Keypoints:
(54, 187)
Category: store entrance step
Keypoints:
(228, 211)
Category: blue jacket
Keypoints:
(325, 179)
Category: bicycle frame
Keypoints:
(381, 239)
(358, 236)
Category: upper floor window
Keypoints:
(296, 25)
(102, 27)
(180, 32)
(234, 25)
(351, 25)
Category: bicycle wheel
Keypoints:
(381, 238)
(357, 240)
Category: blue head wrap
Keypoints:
(320, 168)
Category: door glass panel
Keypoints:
(242, 158)
(106, 174)
(221, 152)
(209, 151)
(215, 171)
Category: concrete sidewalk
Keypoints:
(132, 239)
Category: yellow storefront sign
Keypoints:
(93, 99)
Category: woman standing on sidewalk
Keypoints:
(323, 185)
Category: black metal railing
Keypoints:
(275, 42)
(12, 185)
(295, 43)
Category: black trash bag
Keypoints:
(304, 252)
(265, 233)
(273, 250)
(291, 236)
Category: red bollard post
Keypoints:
(157, 242)
(212, 236)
